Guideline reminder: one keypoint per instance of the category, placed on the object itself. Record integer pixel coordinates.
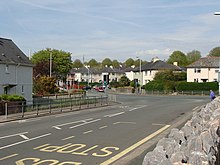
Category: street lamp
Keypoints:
(218, 13)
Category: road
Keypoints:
(108, 135)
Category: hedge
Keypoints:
(181, 86)
(12, 97)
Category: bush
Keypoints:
(12, 97)
(194, 86)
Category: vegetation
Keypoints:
(11, 97)
(45, 85)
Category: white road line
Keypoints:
(87, 132)
(24, 137)
(85, 123)
(14, 144)
(68, 138)
(138, 108)
(22, 133)
(57, 126)
(115, 114)
(119, 122)
(105, 126)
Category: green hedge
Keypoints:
(12, 97)
(181, 86)
(194, 86)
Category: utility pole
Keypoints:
(50, 64)
(218, 13)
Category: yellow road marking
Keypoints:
(121, 154)
(41, 146)
(68, 138)
(88, 132)
(103, 127)
(8, 157)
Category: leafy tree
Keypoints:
(77, 64)
(106, 62)
(61, 59)
(178, 56)
(193, 56)
(41, 68)
(129, 62)
(93, 63)
(45, 85)
(215, 52)
(169, 75)
(124, 81)
(115, 64)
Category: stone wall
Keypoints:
(196, 143)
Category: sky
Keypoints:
(115, 29)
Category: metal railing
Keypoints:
(52, 105)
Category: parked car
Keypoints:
(86, 88)
(99, 89)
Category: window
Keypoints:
(6, 68)
(22, 89)
(196, 80)
(197, 70)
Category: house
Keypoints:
(91, 75)
(203, 70)
(16, 70)
(148, 70)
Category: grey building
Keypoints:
(16, 70)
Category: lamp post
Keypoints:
(50, 64)
(218, 13)
(140, 74)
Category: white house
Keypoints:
(148, 70)
(16, 70)
(203, 70)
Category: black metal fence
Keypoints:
(51, 105)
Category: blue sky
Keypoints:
(115, 29)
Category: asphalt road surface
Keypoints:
(108, 135)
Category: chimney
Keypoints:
(175, 63)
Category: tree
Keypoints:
(45, 85)
(169, 75)
(215, 52)
(124, 81)
(61, 60)
(77, 64)
(193, 56)
(129, 62)
(93, 63)
(115, 64)
(106, 62)
(178, 56)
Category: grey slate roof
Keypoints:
(205, 62)
(158, 65)
(11, 54)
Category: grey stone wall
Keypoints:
(196, 143)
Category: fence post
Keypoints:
(22, 109)
(71, 104)
(87, 98)
(101, 99)
(50, 105)
(80, 103)
(6, 110)
(61, 105)
(37, 108)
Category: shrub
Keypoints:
(12, 97)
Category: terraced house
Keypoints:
(203, 70)
(16, 70)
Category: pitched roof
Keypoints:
(205, 62)
(11, 54)
(158, 65)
